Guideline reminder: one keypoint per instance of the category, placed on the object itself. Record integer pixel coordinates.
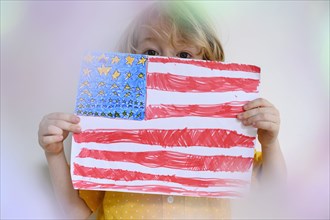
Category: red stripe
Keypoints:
(173, 160)
(177, 83)
(153, 189)
(167, 138)
(225, 110)
(124, 175)
(207, 64)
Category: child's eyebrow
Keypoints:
(147, 39)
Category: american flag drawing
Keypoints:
(163, 125)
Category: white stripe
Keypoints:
(90, 162)
(88, 122)
(198, 71)
(163, 97)
(160, 183)
(194, 150)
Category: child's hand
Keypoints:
(263, 115)
(54, 128)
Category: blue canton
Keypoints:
(112, 85)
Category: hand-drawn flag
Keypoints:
(163, 125)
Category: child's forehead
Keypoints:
(165, 25)
(154, 34)
(159, 21)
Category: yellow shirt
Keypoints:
(119, 205)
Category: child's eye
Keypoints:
(184, 55)
(151, 53)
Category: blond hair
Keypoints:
(176, 20)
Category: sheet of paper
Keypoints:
(163, 125)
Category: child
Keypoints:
(174, 30)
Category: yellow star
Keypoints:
(115, 93)
(101, 84)
(137, 89)
(81, 99)
(103, 70)
(140, 75)
(86, 91)
(115, 59)
(86, 83)
(127, 87)
(101, 92)
(87, 72)
(127, 94)
(88, 58)
(116, 74)
(103, 57)
(129, 60)
(142, 60)
(128, 75)
(114, 86)
(80, 106)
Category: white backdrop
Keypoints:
(41, 48)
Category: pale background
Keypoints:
(41, 48)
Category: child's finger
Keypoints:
(47, 140)
(257, 111)
(53, 130)
(261, 117)
(260, 102)
(66, 126)
(266, 125)
(64, 117)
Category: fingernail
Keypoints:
(239, 116)
(78, 129)
(76, 119)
